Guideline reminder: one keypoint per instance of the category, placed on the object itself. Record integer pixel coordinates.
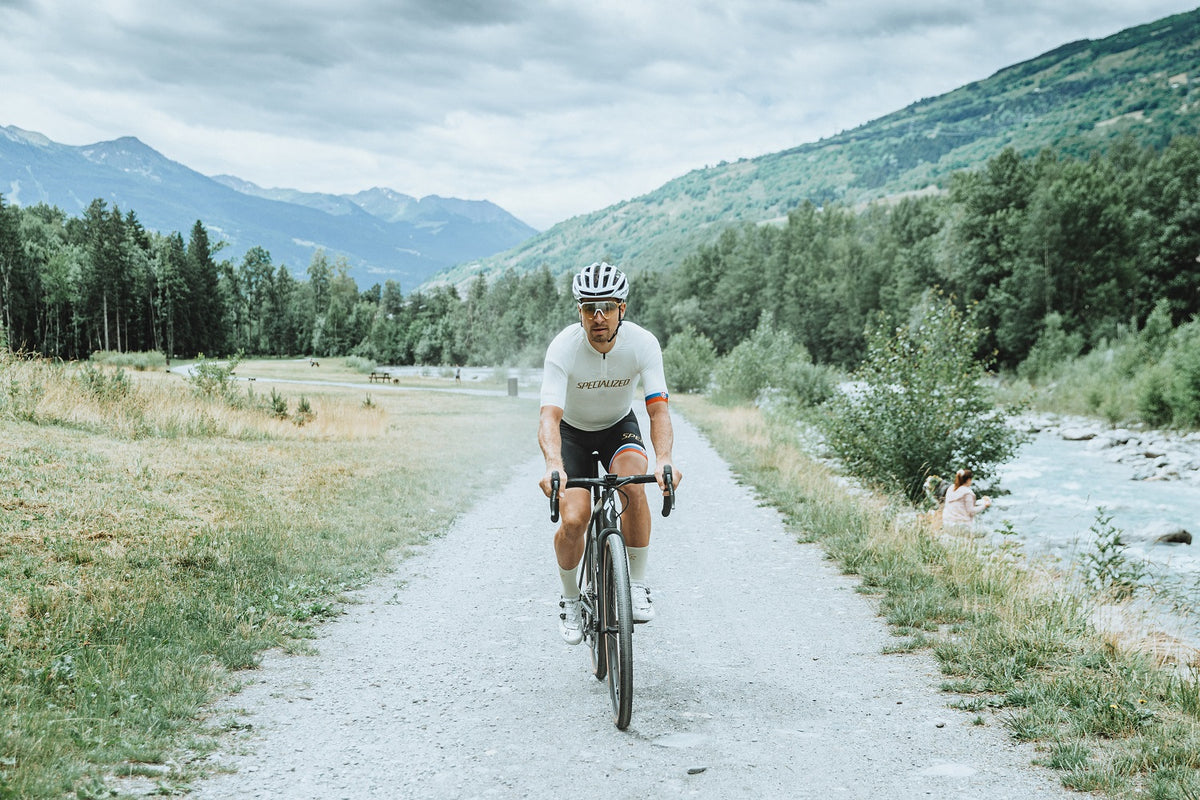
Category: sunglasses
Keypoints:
(604, 308)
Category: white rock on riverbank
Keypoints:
(1151, 454)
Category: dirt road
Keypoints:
(762, 677)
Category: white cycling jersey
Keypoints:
(596, 390)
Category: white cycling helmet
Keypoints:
(599, 281)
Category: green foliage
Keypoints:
(1107, 567)
(1151, 390)
(770, 359)
(1182, 363)
(140, 361)
(363, 365)
(279, 406)
(106, 386)
(1053, 347)
(1151, 377)
(304, 411)
(920, 407)
(688, 360)
(214, 379)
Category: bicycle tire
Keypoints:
(616, 627)
(589, 593)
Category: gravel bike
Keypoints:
(606, 609)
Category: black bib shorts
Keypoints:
(578, 446)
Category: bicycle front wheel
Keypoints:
(591, 593)
(616, 627)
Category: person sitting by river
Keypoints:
(960, 506)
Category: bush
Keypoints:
(1053, 348)
(770, 359)
(213, 379)
(1183, 361)
(279, 406)
(107, 387)
(688, 360)
(920, 406)
(1150, 391)
(359, 364)
(141, 361)
(1108, 568)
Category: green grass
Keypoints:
(1013, 637)
(144, 564)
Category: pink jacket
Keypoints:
(960, 507)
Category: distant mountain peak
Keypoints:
(387, 240)
(28, 137)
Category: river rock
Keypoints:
(1117, 437)
(1077, 434)
(1175, 537)
(1164, 533)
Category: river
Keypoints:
(1054, 487)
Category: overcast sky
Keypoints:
(547, 108)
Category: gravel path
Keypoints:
(761, 677)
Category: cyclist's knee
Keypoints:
(575, 518)
(630, 462)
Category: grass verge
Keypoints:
(1014, 639)
(153, 543)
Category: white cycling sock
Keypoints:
(638, 557)
(570, 584)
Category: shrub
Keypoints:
(1183, 360)
(688, 360)
(304, 411)
(1150, 390)
(140, 361)
(213, 379)
(359, 363)
(279, 406)
(1053, 347)
(1107, 567)
(920, 406)
(107, 387)
(770, 359)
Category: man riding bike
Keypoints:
(588, 392)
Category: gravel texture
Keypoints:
(761, 677)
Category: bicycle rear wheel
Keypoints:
(616, 627)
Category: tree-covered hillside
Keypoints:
(1077, 99)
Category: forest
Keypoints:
(1079, 249)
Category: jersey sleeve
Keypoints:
(554, 377)
(654, 381)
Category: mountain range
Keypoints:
(383, 234)
(1143, 83)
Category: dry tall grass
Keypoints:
(153, 540)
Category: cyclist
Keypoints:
(588, 392)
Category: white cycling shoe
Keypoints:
(569, 623)
(643, 609)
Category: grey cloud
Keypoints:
(519, 98)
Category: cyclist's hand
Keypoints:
(676, 476)
(545, 481)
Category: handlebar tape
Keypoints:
(669, 497)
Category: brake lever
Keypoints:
(554, 484)
(669, 497)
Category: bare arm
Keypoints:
(550, 440)
(662, 439)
